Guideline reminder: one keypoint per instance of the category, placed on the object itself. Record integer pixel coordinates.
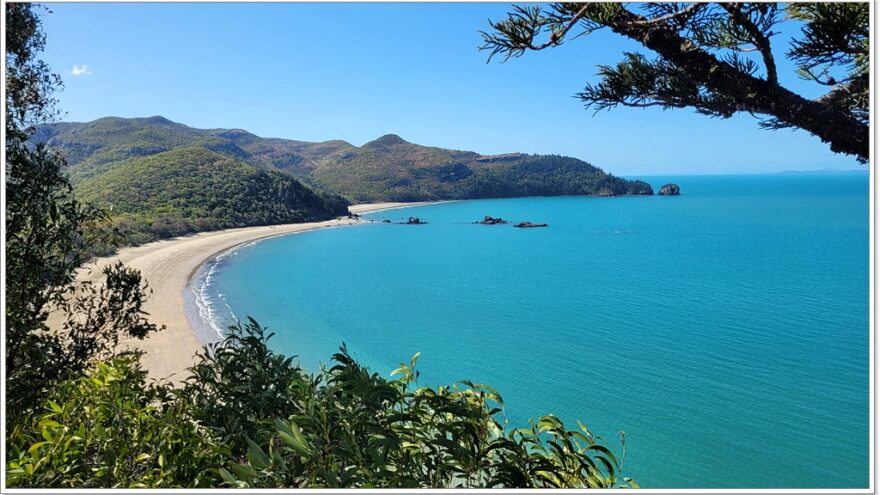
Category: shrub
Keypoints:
(110, 428)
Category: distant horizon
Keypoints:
(409, 69)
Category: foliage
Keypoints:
(103, 314)
(111, 429)
(359, 430)
(348, 427)
(29, 81)
(46, 230)
(190, 189)
(717, 58)
(249, 417)
(95, 319)
(240, 382)
(49, 234)
(835, 37)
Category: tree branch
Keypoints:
(690, 9)
(557, 36)
(762, 43)
(858, 85)
(843, 132)
(694, 74)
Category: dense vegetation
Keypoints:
(387, 169)
(191, 189)
(80, 414)
(391, 169)
(719, 59)
(248, 417)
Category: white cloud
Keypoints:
(82, 70)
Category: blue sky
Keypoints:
(316, 72)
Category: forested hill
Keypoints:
(192, 189)
(387, 169)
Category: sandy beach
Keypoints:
(168, 266)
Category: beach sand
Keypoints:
(168, 266)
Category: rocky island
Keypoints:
(529, 225)
(669, 190)
(487, 220)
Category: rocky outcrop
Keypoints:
(415, 221)
(669, 190)
(487, 220)
(529, 225)
(605, 192)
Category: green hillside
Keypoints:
(391, 169)
(191, 188)
(387, 169)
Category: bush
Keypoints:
(110, 429)
(249, 417)
(348, 427)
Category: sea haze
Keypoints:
(725, 330)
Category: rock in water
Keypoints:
(415, 221)
(669, 190)
(487, 220)
(528, 225)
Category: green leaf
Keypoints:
(227, 477)
(298, 436)
(48, 423)
(243, 471)
(35, 447)
(412, 361)
(256, 456)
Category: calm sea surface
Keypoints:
(725, 330)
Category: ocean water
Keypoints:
(725, 330)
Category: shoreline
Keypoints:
(168, 266)
(198, 310)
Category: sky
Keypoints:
(316, 72)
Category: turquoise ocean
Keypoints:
(726, 330)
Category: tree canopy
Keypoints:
(718, 59)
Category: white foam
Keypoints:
(202, 311)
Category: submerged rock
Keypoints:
(669, 190)
(415, 221)
(529, 225)
(487, 220)
(386, 221)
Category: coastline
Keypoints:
(168, 266)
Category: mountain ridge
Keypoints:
(388, 168)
